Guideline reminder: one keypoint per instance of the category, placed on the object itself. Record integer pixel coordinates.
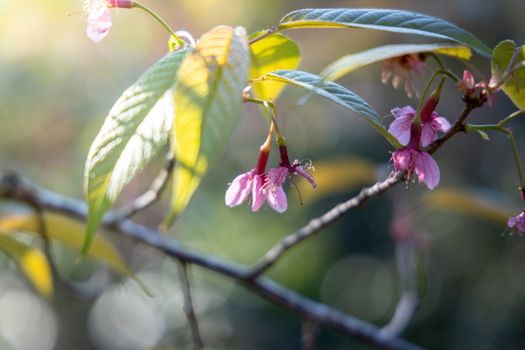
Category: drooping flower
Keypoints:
(517, 223)
(431, 123)
(406, 67)
(99, 16)
(413, 160)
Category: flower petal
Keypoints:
(276, 198)
(98, 23)
(427, 170)
(300, 171)
(403, 111)
(440, 123)
(239, 189)
(400, 128)
(258, 194)
(428, 135)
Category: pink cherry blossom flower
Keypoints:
(413, 160)
(99, 17)
(264, 188)
(517, 223)
(431, 124)
(406, 67)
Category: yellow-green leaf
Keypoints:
(274, 52)
(208, 103)
(349, 63)
(460, 201)
(67, 231)
(32, 262)
(514, 86)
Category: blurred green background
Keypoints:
(56, 87)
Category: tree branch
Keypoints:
(188, 306)
(14, 187)
(316, 225)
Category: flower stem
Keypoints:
(515, 152)
(417, 119)
(271, 116)
(149, 11)
(511, 116)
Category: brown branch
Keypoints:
(471, 103)
(316, 225)
(17, 188)
(188, 306)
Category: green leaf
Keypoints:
(32, 262)
(335, 93)
(274, 52)
(134, 131)
(208, 99)
(349, 63)
(514, 85)
(383, 19)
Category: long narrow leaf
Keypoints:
(335, 93)
(383, 19)
(349, 63)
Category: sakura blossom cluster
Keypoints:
(265, 186)
(414, 135)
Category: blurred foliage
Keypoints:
(56, 87)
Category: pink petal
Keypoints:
(427, 170)
(440, 123)
(98, 23)
(239, 189)
(400, 128)
(258, 194)
(428, 135)
(299, 170)
(468, 79)
(512, 221)
(276, 198)
(403, 111)
(402, 159)
(276, 176)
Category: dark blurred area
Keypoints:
(56, 87)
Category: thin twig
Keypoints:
(316, 225)
(150, 196)
(15, 187)
(188, 306)
(407, 305)
(308, 337)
